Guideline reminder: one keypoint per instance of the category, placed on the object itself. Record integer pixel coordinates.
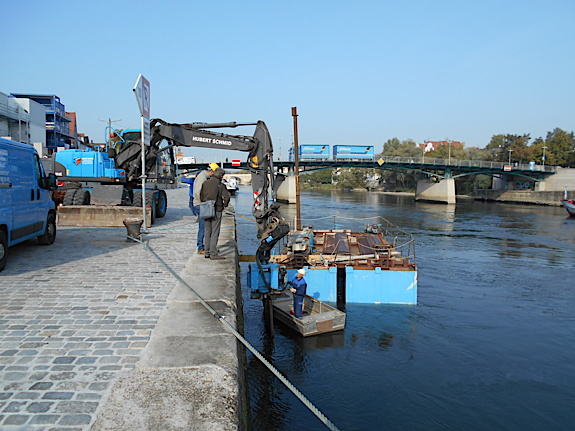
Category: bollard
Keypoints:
(133, 225)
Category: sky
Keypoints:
(359, 72)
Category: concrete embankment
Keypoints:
(96, 334)
(191, 373)
(524, 197)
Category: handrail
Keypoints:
(463, 163)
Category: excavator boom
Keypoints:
(260, 162)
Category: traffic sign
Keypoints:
(142, 90)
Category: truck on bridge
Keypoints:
(340, 152)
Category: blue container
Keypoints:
(374, 286)
(314, 152)
(310, 152)
(380, 287)
(353, 152)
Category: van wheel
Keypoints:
(50, 233)
(3, 249)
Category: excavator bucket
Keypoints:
(99, 216)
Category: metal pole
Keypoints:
(296, 168)
(543, 160)
(143, 150)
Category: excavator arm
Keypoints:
(271, 226)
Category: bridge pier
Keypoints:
(433, 191)
(286, 190)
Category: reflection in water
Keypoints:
(481, 349)
(385, 341)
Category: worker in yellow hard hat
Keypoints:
(200, 179)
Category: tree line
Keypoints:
(557, 149)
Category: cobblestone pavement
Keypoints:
(78, 313)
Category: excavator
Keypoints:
(85, 175)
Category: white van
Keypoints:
(26, 206)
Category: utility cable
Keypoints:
(245, 342)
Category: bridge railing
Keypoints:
(464, 163)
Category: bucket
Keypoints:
(133, 225)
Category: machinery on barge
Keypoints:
(376, 266)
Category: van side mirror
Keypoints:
(50, 182)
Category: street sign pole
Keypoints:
(142, 92)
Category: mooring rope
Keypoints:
(245, 342)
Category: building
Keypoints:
(23, 120)
(56, 121)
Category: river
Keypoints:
(490, 345)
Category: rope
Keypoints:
(239, 215)
(245, 342)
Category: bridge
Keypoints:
(436, 177)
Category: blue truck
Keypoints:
(311, 152)
(26, 207)
(353, 152)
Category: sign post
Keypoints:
(142, 92)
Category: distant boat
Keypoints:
(318, 317)
(569, 205)
(231, 185)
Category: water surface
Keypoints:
(490, 345)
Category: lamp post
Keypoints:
(510, 151)
(543, 159)
(449, 154)
(280, 148)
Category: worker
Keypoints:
(298, 288)
(214, 190)
(200, 179)
(190, 180)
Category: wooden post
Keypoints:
(296, 168)
(268, 315)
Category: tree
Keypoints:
(559, 149)
(399, 181)
(407, 148)
(449, 152)
(499, 146)
(351, 178)
(317, 177)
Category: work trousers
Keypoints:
(298, 305)
(212, 233)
